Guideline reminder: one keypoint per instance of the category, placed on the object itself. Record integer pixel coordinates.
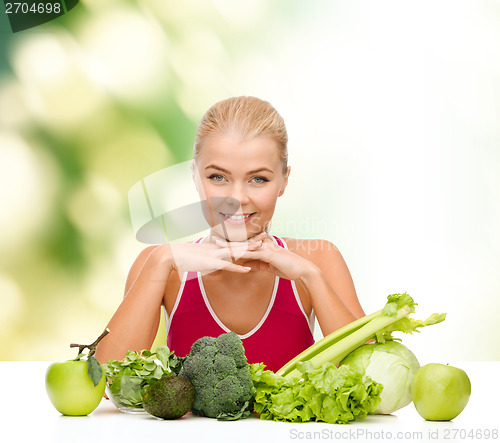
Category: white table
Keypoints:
(28, 416)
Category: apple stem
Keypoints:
(92, 347)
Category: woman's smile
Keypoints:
(238, 219)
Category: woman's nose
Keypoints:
(239, 193)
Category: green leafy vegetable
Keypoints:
(329, 394)
(129, 379)
(391, 364)
(379, 326)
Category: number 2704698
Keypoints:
(37, 8)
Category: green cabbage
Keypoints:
(391, 364)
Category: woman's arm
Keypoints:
(329, 285)
(135, 322)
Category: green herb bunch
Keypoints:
(130, 378)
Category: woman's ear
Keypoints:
(285, 181)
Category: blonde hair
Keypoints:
(248, 116)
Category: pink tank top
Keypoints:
(283, 332)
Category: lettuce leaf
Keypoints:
(328, 394)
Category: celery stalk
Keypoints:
(379, 325)
(326, 342)
(337, 351)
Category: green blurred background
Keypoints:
(392, 109)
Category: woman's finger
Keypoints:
(238, 246)
(260, 236)
(231, 254)
(263, 255)
(258, 265)
(233, 267)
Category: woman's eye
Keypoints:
(260, 179)
(216, 177)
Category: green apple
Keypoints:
(440, 392)
(70, 388)
(76, 387)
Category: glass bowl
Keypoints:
(126, 391)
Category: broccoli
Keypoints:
(220, 374)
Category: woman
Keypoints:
(239, 278)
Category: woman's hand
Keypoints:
(209, 257)
(272, 258)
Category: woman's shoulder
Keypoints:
(143, 256)
(323, 253)
(308, 245)
(313, 249)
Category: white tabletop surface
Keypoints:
(27, 415)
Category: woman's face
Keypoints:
(239, 181)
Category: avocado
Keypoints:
(169, 397)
